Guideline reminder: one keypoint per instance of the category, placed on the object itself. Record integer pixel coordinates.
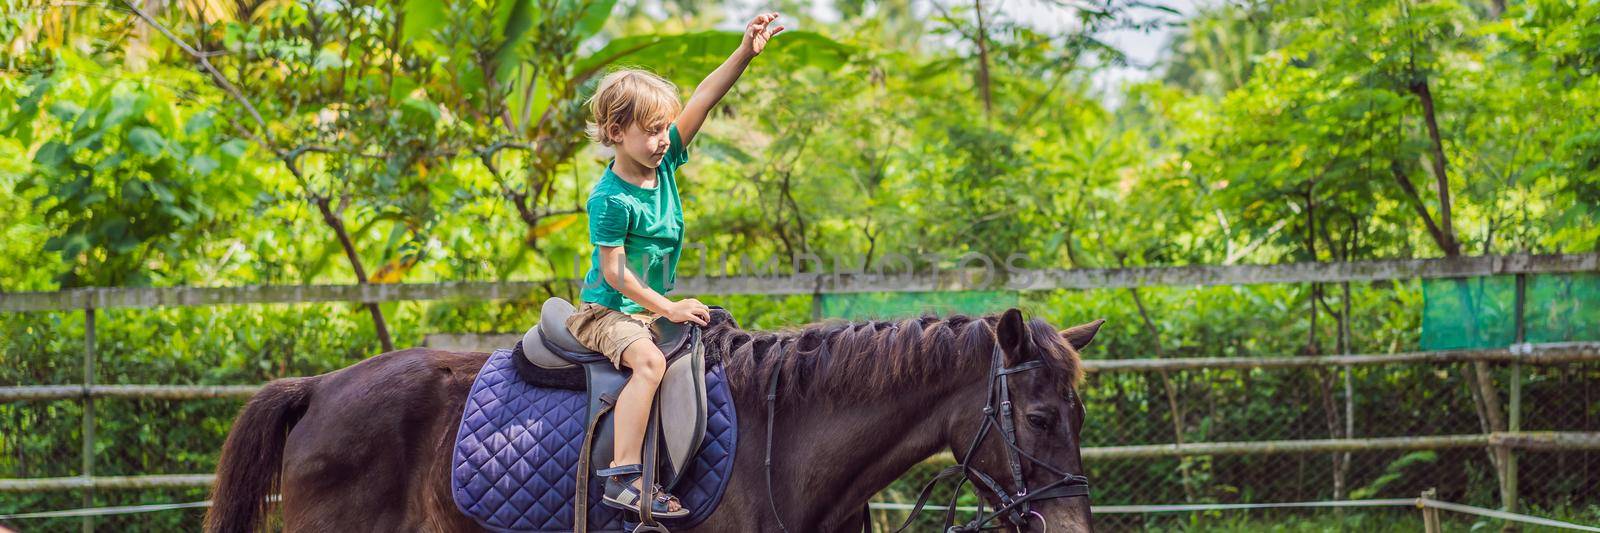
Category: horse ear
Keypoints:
(1081, 335)
(1013, 334)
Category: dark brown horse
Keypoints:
(368, 448)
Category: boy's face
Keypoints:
(643, 143)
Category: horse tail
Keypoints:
(252, 458)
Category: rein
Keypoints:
(996, 413)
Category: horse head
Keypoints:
(1018, 438)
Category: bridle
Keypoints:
(996, 413)
(1014, 508)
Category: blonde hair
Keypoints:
(628, 96)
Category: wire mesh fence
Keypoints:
(1263, 405)
(247, 345)
(1295, 404)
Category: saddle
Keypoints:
(514, 464)
(677, 424)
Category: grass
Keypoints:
(1364, 521)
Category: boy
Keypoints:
(636, 227)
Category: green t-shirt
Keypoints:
(647, 223)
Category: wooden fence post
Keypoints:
(1514, 415)
(1430, 516)
(88, 412)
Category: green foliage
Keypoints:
(1393, 472)
(125, 175)
(444, 139)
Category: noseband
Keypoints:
(996, 413)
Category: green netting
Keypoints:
(1481, 312)
(889, 305)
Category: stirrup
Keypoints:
(627, 498)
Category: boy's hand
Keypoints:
(688, 310)
(758, 32)
(709, 92)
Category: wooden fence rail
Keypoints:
(138, 392)
(813, 283)
(1536, 354)
(1540, 441)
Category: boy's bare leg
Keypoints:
(633, 405)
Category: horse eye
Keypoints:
(1039, 421)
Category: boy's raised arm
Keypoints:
(715, 86)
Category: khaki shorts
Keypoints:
(608, 330)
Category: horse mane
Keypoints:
(844, 361)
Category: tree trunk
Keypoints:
(1349, 386)
(1480, 382)
(1174, 408)
(1487, 401)
(1415, 199)
(983, 60)
(337, 223)
(1441, 174)
(1313, 347)
(1331, 417)
(1330, 408)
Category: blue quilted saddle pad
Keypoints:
(515, 463)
